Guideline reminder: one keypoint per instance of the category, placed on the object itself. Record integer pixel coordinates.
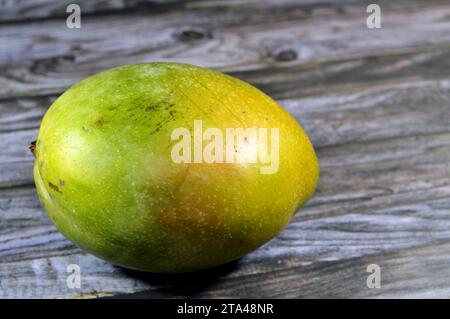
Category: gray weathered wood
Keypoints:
(45, 57)
(376, 104)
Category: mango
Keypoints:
(142, 165)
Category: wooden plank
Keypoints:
(45, 57)
(374, 102)
(411, 273)
(414, 272)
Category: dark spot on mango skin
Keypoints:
(157, 106)
(157, 115)
(61, 183)
(154, 115)
(169, 106)
(54, 187)
(163, 121)
(100, 122)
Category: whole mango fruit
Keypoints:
(137, 165)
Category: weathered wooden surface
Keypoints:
(376, 104)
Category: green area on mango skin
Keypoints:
(105, 176)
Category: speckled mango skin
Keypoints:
(105, 175)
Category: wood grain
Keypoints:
(376, 104)
(46, 57)
(26, 10)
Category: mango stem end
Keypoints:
(32, 147)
